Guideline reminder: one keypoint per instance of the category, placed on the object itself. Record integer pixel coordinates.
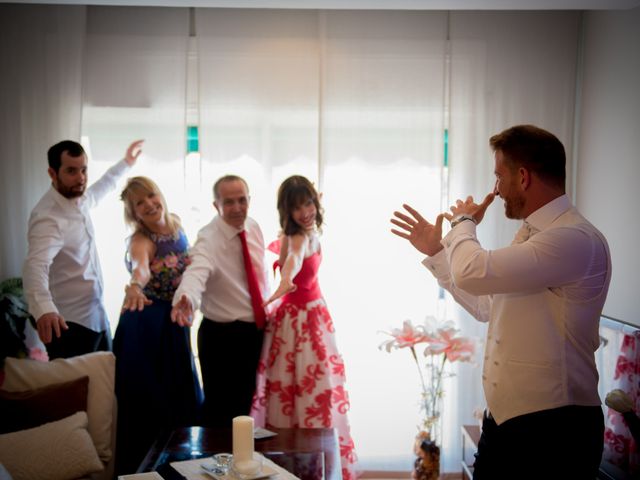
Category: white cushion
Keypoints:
(25, 374)
(60, 450)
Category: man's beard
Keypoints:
(513, 207)
(69, 192)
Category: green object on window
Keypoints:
(446, 147)
(192, 139)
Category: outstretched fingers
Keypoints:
(482, 208)
(414, 213)
(401, 234)
(182, 312)
(487, 200)
(402, 225)
(410, 222)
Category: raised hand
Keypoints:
(182, 312)
(424, 236)
(477, 211)
(133, 152)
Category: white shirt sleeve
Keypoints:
(194, 279)
(548, 259)
(45, 241)
(478, 306)
(106, 183)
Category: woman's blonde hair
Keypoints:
(144, 186)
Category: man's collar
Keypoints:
(227, 230)
(545, 215)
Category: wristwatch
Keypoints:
(461, 218)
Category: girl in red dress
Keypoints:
(301, 376)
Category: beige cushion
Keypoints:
(59, 450)
(24, 374)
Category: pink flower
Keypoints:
(454, 348)
(408, 336)
(157, 265)
(171, 261)
(442, 344)
(36, 353)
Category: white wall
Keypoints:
(608, 168)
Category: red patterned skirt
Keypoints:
(301, 376)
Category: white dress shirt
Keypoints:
(61, 273)
(542, 298)
(216, 281)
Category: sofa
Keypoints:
(58, 418)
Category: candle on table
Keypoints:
(242, 438)
(244, 462)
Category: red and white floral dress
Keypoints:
(301, 375)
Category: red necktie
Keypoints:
(254, 288)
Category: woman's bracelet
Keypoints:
(137, 284)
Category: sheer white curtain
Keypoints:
(134, 87)
(258, 89)
(507, 68)
(40, 103)
(383, 146)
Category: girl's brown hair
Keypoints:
(293, 192)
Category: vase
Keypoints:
(427, 464)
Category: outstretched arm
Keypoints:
(293, 250)
(186, 298)
(108, 181)
(424, 236)
(141, 250)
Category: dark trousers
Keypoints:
(561, 443)
(78, 340)
(229, 355)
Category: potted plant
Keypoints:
(15, 316)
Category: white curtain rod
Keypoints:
(618, 325)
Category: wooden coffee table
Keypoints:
(308, 453)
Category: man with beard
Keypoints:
(62, 277)
(542, 298)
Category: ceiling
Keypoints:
(370, 4)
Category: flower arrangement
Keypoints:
(442, 344)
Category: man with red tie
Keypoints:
(227, 280)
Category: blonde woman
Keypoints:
(156, 383)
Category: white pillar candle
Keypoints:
(242, 438)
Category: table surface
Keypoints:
(302, 451)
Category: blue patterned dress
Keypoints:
(156, 382)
